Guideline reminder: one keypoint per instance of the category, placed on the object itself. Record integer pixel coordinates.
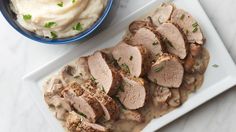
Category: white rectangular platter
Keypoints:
(217, 80)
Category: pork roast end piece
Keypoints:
(189, 26)
(149, 40)
(162, 14)
(131, 59)
(133, 94)
(174, 40)
(106, 77)
(167, 71)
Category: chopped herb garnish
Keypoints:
(93, 80)
(155, 80)
(60, 4)
(73, 1)
(158, 69)
(103, 89)
(187, 31)
(195, 24)
(125, 68)
(78, 27)
(118, 101)
(50, 24)
(182, 17)
(131, 58)
(168, 43)
(195, 29)
(119, 59)
(53, 35)
(78, 76)
(27, 17)
(215, 66)
(155, 43)
(82, 114)
(121, 87)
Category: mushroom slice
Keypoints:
(161, 95)
(53, 86)
(131, 59)
(131, 115)
(106, 77)
(133, 94)
(162, 14)
(149, 40)
(61, 106)
(189, 25)
(167, 71)
(81, 69)
(173, 39)
(175, 99)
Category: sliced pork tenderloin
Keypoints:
(133, 93)
(189, 26)
(107, 77)
(148, 39)
(167, 71)
(173, 39)
(162, 14)
(133, 60)
(110, 108)
(86, 105)
(131, 115)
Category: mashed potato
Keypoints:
(57, 18)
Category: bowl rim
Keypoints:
(62, 40)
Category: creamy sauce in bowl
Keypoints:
(57, 18)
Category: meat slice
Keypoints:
(136, 25)
(167, 71)
(76, 123)
(86, 105)
(131, 115)
(189, 25)
(110, 108)
(131, 59)
(106, 77)
(162, 14)
(173, 39)
(149, 40)
(133, 94)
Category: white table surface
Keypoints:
(19, 55)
